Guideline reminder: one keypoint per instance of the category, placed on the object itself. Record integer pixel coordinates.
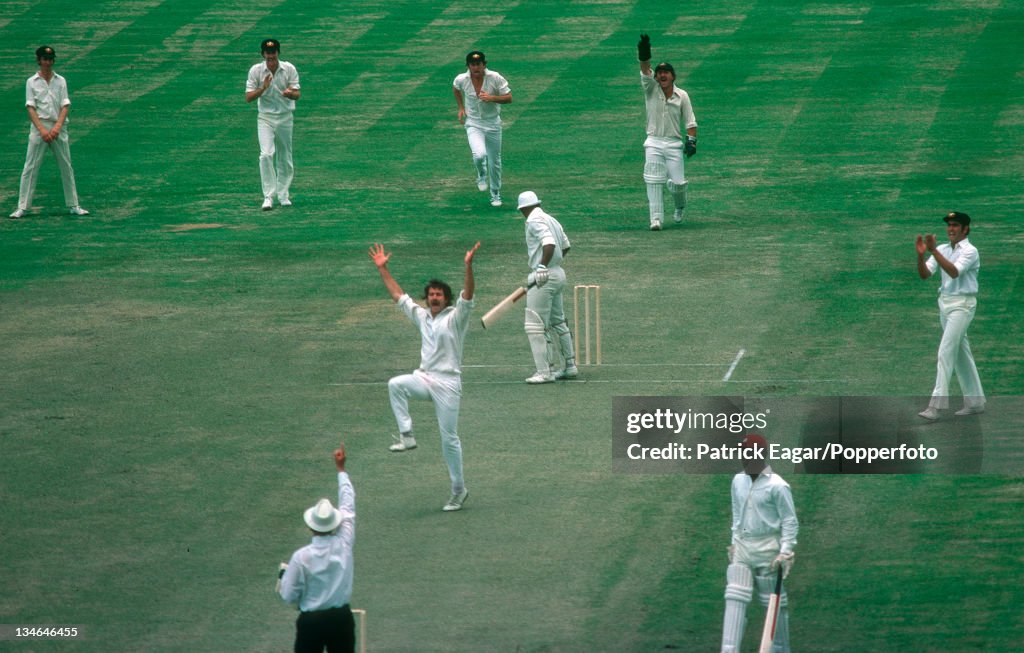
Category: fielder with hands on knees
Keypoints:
(668, 109)
(764, 530)
(546, 245)
(318, 578)
(959, 262)
(443, 329)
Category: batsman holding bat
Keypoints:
(764, 530)
(546, 244)
(668, 109)
(443, 330)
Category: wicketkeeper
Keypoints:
(764, 530)
(668, 107)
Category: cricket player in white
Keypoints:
(443, 330)
(275, 84)
(546, 245)
(668, 108)
(479, 93)
(958, 299)
(47, 103)
(764, 530)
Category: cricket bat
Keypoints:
(492, 316)
(771, 618)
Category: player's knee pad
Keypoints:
(781, 642)
(655, 172)
(678, 192)
(765, 588)
(739, 589)
(534, 325)
(739, 583)
(560, 329)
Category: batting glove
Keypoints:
(540, 275)
(784, 559)
(643, 48)
(691, 146)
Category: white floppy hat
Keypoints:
(323, 517)
(528, 198)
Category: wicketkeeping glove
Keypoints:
(643, 48)
(691, 146)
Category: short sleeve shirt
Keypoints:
(272, 101)
(48, 98)
(541, 230)
(967, 261)
(479, 113)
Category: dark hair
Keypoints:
(442, 286)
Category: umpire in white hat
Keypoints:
(318, 578)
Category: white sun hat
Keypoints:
(528, 198)
(323, 517)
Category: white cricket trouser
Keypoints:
(485, 146)
(662, 164)
(445, 390)
(37, 147)
(955, 314)
(547, 302)
(276, 167)
(756, 554)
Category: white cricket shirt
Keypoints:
(665, 115)
(442, 336)
(967, 261)
(762, 508)
(48, 98)
(478, 112)
(542, 229)
(272, 101)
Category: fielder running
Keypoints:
(764, 530)
(668, 106)
(479, 93)
(958, 292)
(275, 84)
(47, 103)
(546, 245)
(443, 330)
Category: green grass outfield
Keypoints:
(176, 368)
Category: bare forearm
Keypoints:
(33, 117)
(389, 283)
(946, 265)
(922, 267)
(469, 285)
